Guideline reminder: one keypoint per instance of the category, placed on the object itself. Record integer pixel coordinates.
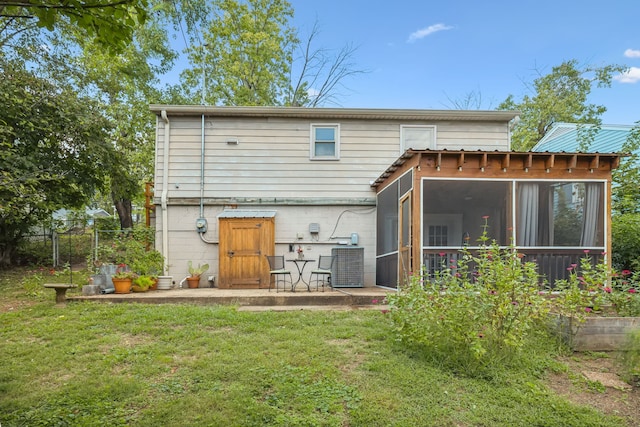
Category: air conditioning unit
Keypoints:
(348, 267)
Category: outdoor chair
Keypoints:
(323, 272)
(277, 269)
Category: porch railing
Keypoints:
(553, 264)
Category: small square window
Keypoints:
(325, 142)
(417, 137)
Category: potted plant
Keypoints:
(142, 283)
(122, 279)
(149, 263)
(195, 273)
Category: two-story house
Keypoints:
(390, 191)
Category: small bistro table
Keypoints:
(300, 263)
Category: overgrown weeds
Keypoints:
(629, 358)
(477, 314)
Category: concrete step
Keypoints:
(340, 297)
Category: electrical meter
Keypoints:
(201, 225)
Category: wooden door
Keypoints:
(244, 242)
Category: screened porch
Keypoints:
(553, 207)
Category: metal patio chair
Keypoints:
(323, 272)
(277, 269)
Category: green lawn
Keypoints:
(177, 365)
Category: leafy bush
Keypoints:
(592, 287)
(72, 249)
(625, 244)
(34, 252)
(629, 358)
(107, 223)
(477, 313)
(32, 284)
(133, 248)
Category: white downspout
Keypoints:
(202, 168)
(165, 191)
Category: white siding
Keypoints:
(336, 224)
(271, 159)
(270, 169)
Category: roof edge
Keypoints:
(337, 113)
(410, 153)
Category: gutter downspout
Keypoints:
(202, 152)
(204, 97)
(165, 191)
(202, 169)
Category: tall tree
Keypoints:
(626, 192)
(53, 151)
(625, 204)
(248, 53)
(321, 73)
(110, 22)
(81, 60)
(126, 84)
(560, 96)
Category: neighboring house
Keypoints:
(386, 190)
(565, 137)
(66, 216)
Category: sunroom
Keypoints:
(554, 208)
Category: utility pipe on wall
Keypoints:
(204, 97)
(165, 191)
(202, 168)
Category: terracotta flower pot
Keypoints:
(193, 282)
(121, 286)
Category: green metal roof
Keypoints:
(564, 137)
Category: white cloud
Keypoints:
(631, 53)
(632, 75)
(424, 32)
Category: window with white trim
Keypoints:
(417, 137)
(325, 142)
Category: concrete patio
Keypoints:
(254, 299)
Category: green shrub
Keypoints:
(625, 243)
(477, 313)
(34, 252)
(72, 249)
(133, 248)
(591, 287)
(107, 223)
(32, 284)
(629, 358)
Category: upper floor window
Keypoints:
(417, 137)
(325, 142)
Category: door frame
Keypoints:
(226, 250)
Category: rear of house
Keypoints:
(234, 184)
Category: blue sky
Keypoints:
(423, 54)
(427, 54)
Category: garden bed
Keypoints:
(596, 333)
